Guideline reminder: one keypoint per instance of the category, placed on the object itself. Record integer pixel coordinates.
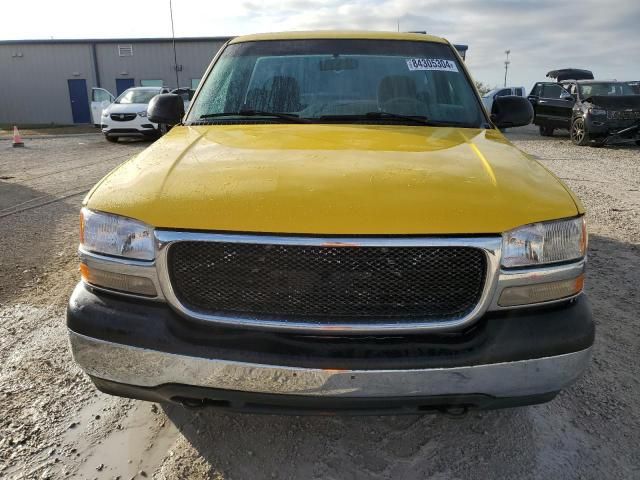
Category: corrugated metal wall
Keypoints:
(33, 81)
(33, 76)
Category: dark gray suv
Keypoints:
(595, 112)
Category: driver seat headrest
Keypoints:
(396, 86)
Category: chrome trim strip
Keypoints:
(531, 276)
(125, 266)
(149, 368)
(490, 245)
(166, 237)
(502, 278)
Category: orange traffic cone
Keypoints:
(17, 140)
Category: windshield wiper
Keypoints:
(258, 113)
(418, 119)
(421, 119)
(413, 118)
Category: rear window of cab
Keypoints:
(338, 79)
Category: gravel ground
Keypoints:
(53, 423)
(6, 131)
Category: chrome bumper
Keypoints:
(149, 368)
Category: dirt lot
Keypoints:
(53, 424)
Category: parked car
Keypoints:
(100, 99)
(335, 226)
(127, 115)
(489, 97)
(595, 112)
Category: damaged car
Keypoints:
(596, 112)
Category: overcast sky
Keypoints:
(600, 35)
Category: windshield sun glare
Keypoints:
(339, 81)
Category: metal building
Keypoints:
(50, 81)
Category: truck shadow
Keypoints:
(530, 442)
(34, 236)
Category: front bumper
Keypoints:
(145, 350)
(621, 129)
(140, 126)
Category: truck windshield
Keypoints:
(605, 89)
(344, 81)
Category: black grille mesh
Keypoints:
(123, 117)
(327, 282)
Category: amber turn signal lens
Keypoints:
(117, 281)
(541, 292)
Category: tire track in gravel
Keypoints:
(587, 432)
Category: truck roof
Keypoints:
(341, 34)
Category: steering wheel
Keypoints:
(401, 105)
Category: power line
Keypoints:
(173, 37)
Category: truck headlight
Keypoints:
(109, 234)
(545, 242)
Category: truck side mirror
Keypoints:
(166, 108)
(511, 111)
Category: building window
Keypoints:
(125, 50)
(151, 83)
(195, 82)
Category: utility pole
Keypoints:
(506, 66)
(173, 37)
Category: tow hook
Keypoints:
(456, 411)
(190, 403)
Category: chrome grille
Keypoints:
(321, 283)
(123, 117)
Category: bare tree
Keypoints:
(483, 87)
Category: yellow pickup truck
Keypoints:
(335, 225)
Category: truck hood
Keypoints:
(333, 180)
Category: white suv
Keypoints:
(488, 98)
(127, 115)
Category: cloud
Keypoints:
(541, 34)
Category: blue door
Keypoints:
(122, 84)
(79, 100)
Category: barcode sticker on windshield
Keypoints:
(439, 64)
